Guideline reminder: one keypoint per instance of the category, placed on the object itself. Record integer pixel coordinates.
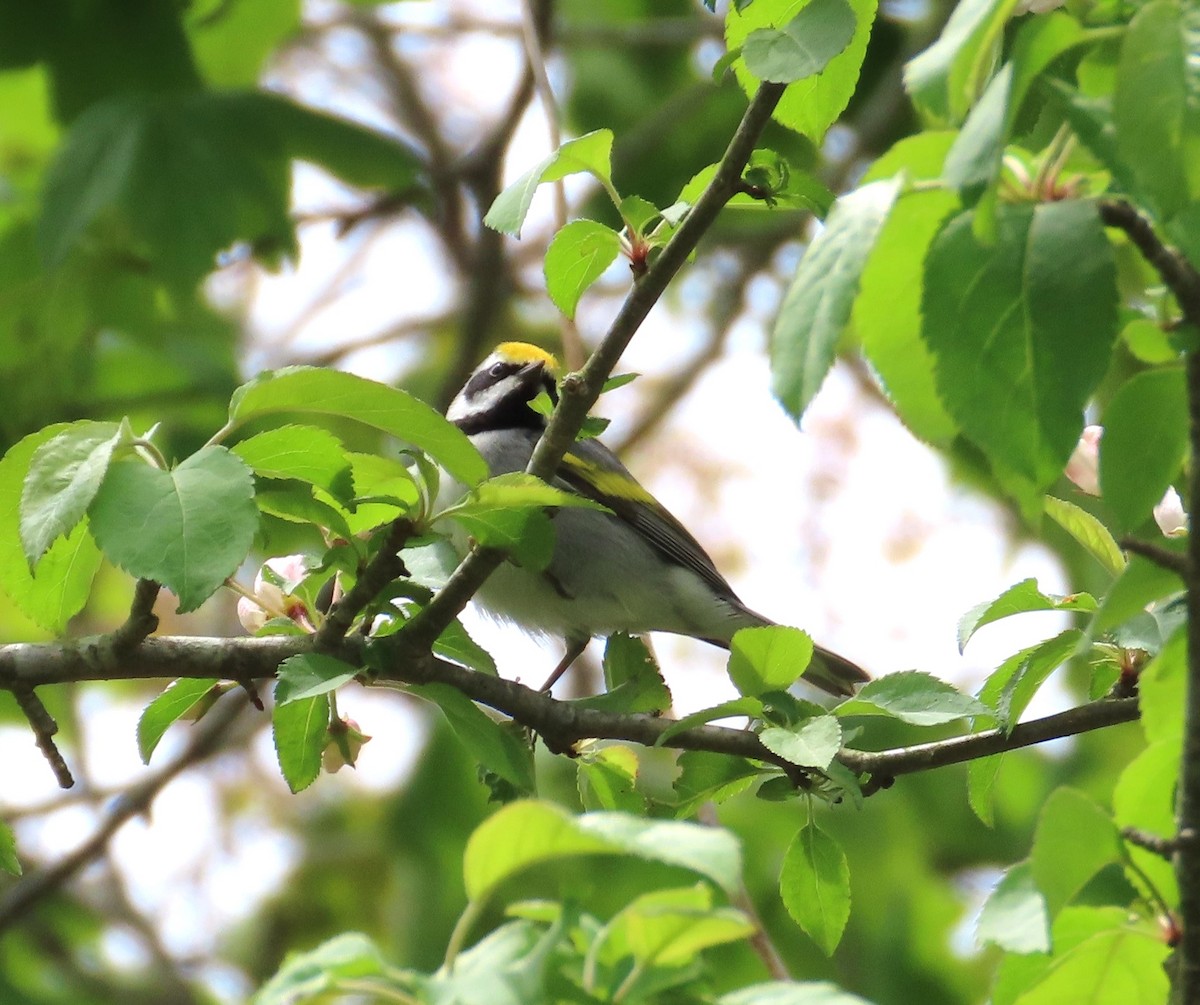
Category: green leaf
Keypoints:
(1039, 42)
(456, 645)
(308, 975)
(815, 886)
(706, 777)
(817, 306)
(809, 106)
(1088, 531)
(887, 310)
(591, 153)
(751, 707)
(1061, 863)
(386, 481)
(804, 46)
(231, 42)
(981, 780)
(493, 744)
(974, 160)
(1014, 915)
(1144, 443)
(576, 258)
(1021, 341)
(331, 392)
(308, 675)
(1122, 966)
(1144, 797)
(1156, 109)
(294, 501)
(797, 189)
(179, 698)
(126, 159)
(8, 851)
(633, 681)
(307, 453)
(607, 780)
(507, 512)
(1011, 687)
(913, 697)
(771, 658)
(1019, 599)
(812, 744)
(527, 833)
(188, 528)
(59, 587)
(64, 475)
(301, 732)
(1162, 686)
(669, 928)
(791, 993)
(945, 80)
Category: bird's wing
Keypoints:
(593, 471)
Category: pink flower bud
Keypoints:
(345, 742)
(1084, 466)
(1170, 516)
(270, 600)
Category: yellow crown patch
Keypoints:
(523, 352)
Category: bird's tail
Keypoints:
(835, 674)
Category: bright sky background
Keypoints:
(846, 527)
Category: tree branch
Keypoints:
(560, 723)
(1164, 559)
(1182, 279)
(1176, 271)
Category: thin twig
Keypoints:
(142, 621)
(44, 727)
(1160, 846)
(1170, 560)
(1177, 272)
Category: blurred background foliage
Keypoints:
(156, 291)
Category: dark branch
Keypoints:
(44, 727)
(142, 621)
(561, 723)
(1177, 272)
(1169, 560)
(1160, 846)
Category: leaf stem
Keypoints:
(462, 928)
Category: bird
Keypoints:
(633, 569)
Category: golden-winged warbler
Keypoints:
(634, 569)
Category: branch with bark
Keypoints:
(562, 724)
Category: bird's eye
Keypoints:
(498, 369)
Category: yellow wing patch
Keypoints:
(608, 483)
(523, 352)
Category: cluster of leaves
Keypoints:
(558, 950)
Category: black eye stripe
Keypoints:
(484, 379)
